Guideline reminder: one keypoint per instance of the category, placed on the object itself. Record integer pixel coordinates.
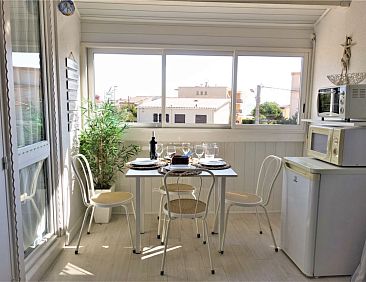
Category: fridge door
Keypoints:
(299, 216)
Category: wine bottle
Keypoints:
(152, 147)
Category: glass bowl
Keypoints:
(350, 78)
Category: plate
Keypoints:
(146, 162)
(213, 162)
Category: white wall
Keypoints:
(68, 31)
(330, 33)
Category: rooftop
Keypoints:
(187, 103)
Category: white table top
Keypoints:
(228, 172)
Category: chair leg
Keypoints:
(159, 216)
(270, 228)
(133, 209)
(129, 228)
(225, 228)
(91, 220)
(196, 220)
(81, 229)
(204, 233)
(208, 246)
(166, 235)
(258, 220)
(164, 230)
(216, 221)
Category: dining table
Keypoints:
(221, 176)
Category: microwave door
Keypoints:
(324, 103)
(319, 143)
(335, 103)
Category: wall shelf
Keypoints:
(335, 122)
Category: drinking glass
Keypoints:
(210, 151)
(159, 149)
(199, 150)
(170, 151)
(186, 148)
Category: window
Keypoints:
(179, 118)
(132, 81)
(155, 117)
(187, 75)
(201, 119)
(268, 90)
(199, 85)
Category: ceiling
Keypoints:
(267, 12)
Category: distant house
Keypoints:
(185, 110)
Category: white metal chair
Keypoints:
(91, 200)
(174, 189)
(187, 208)
(268, 173)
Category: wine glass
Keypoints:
(159, 149)
(170, 151)
(186, 148)
(199, 150)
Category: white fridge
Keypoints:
(323, 216)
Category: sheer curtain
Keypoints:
(27, 71)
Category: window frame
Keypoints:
(305, 95)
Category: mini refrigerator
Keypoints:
(323, 216)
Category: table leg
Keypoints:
(142, 207)
(222, 212)
(216, 204)
(138, 215)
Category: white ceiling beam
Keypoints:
(343, 3)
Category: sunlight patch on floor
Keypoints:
(158, 251)
(71, 269)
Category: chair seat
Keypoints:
(111, 199)
(175, 188)
(242, 199)
(188, 208)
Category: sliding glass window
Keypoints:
(131, 81)
(187, 88)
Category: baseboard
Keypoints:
(73, 231)
(38, 265)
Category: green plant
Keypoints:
(101, 143)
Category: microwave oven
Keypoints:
(342, 146)
(345, 102)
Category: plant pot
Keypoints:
(103, 215)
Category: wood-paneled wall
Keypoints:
(244, 157)
(124, 34)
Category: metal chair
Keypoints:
(268, 173)
(187, 208)
(174, 189)
(91, 200)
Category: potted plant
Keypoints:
(101, 142)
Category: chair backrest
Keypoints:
(204, 177)
(81, 168)
(270, 168)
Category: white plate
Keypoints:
(171, 167)
(146, 162)
(213, 162)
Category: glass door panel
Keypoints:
(26, 55)
(33, 189)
